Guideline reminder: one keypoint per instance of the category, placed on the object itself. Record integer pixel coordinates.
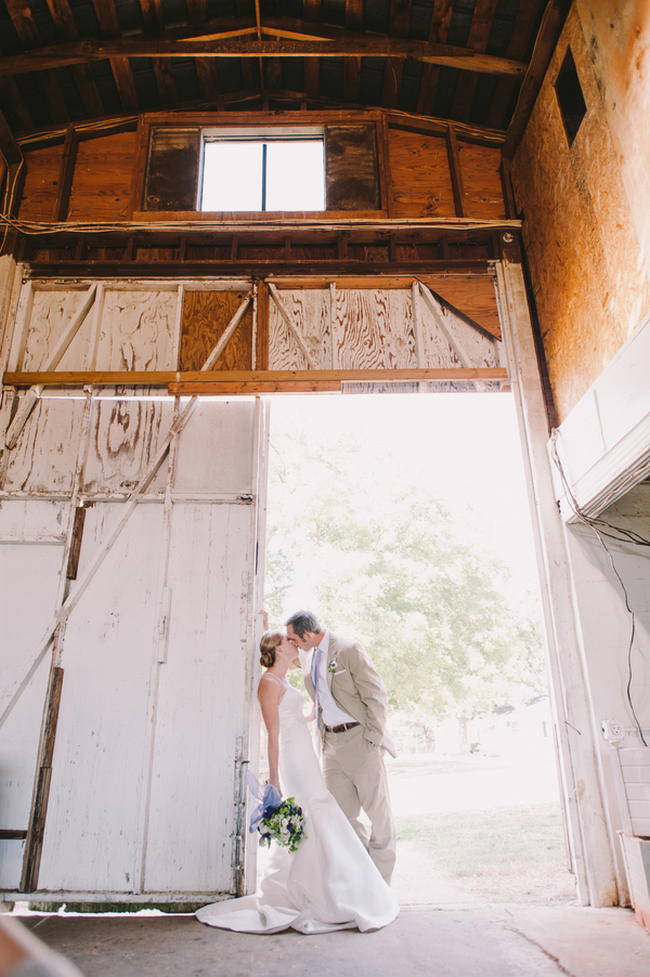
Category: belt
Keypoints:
(342, 728)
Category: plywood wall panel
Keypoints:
(101, 186)
(40, 192)
(420, 178)
(206, 316)
(52, 311)
(482, 189)
(309, 311)
(374, 330)
(586, 264)
(137, 330)
(472, 295)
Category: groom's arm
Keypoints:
(371, 691)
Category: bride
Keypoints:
(330, 882)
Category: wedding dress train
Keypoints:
(330, 882)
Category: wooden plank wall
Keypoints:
(579, 227)
(99, 176)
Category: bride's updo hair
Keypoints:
(268, 644)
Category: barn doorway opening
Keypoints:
(403, 521)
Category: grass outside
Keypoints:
(476, 829)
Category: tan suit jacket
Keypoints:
(356, 687)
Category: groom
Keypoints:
(351, 705)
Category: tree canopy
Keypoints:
(382, 559)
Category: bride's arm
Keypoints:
(269, 695)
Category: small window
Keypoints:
(256, 171)
(569, 97)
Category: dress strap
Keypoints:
(276, 678)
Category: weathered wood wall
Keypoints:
(582, 204)
(371, 166)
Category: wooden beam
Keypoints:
(354, 14)
(345, 46)
(438, 31)
(477, 40)
(23, 21)
(547, 37)
(521, 42)
(219, 378)
(9, 148)
(40, 799)
(399, 21)
(106, 13)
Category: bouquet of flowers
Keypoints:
(274, 818)
(286, 824)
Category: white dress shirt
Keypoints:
(332, 713)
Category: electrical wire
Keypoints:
(593, 524)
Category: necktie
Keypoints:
(315, 675)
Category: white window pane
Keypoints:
(295, 175)
(232, 176)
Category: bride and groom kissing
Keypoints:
(338, 876)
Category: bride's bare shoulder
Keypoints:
(271, 684)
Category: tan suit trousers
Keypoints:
(355, 774)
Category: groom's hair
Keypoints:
(303, 621)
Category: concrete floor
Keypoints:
(498, 941)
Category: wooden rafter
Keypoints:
(438, 31)
(345, 46)
(477, 40)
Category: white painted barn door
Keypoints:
(158, 654)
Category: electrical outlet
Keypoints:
(612, 731)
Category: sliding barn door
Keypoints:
(130, 565)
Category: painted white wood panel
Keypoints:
(309, 311)
(216, 449)
(457, 344)
(137, 329)
(124, 440)
(52, 310)
(28, 584)
(374, 329)
(201, 705)
(91, 834)
(44, 458)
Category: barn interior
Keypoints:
(483, 225)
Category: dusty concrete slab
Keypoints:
(501, 941)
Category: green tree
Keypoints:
(388, 565)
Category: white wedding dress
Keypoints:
(330, 882)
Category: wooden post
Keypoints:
(40, 798)
(590, 844)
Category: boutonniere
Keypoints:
(331, 667)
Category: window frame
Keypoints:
(374, 121)
(263, 135)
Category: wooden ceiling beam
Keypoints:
(152, 16)
(10, 94)
(125, 84)
(521, 41)
(347, 46)
(23, 21)
(354, 14)
(438, 31)
(9, 148)
(106, 14)
(549, 32)
(399, 23)
(477, 40)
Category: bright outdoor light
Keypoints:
(256, 175)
